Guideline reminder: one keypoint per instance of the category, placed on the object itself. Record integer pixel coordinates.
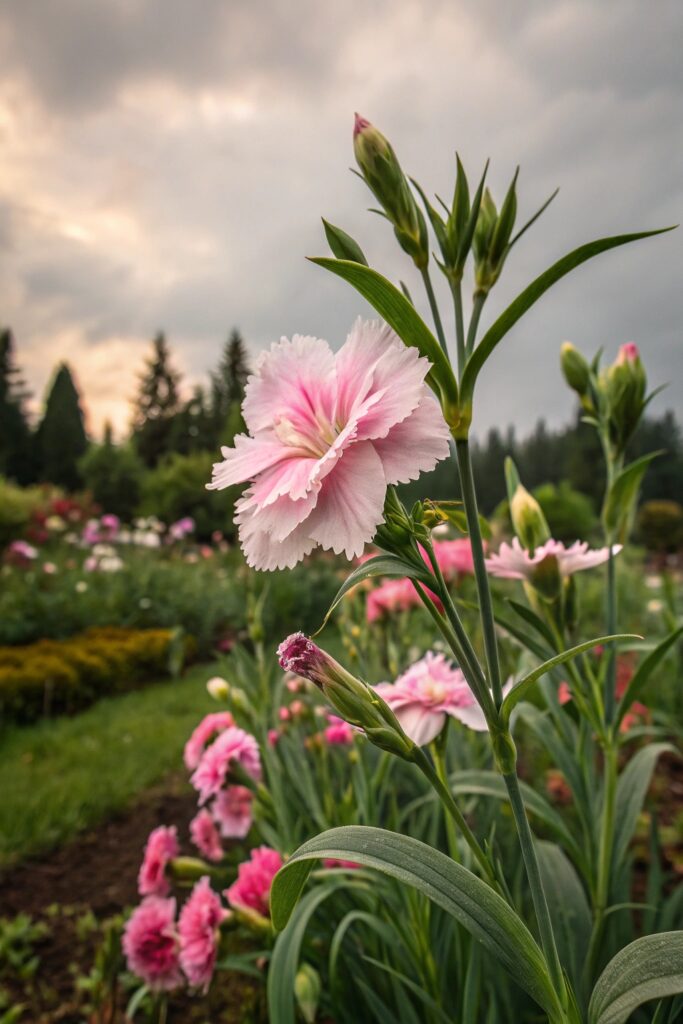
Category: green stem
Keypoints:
(477, 306)
(526, 841)
(469, 498)
(439, 756)
(434, 308)
(444, 795)
(456, 289)
(610, 775)
(611, 674)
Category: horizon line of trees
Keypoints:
(177, 439)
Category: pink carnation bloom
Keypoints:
(150, 943)
(232, 810)
(199, 928)
(428, 691)
(327, 434)
(162, 846)
(394, 595)
(205, 836)
(207, 729)
(338, 732)
(22, 550)
(255, 876)
(233, 745)
(513, 562)
(454, 557)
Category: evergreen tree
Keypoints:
(16, 459)
(156, 405)
(227, 389)
(113, 474)
(192, 426)
(61, 440)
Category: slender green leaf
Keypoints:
(632, 788)
(526, 299)
(285, 959)
(621, 497)
(416, 989)
(649, 968)
(535, 621)
(520, 691)
(342, 245)
(393, 307)
(382, 565)
(447, 884)
(643, 673)
(372, 922)
(569, 910)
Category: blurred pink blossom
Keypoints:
(394, 595)
(254, 879)
(232, 746)
(162, 846)
(207, 729)
(327, 434)
(205, 837)
(338, 732)
(150, 943)
(513, 562)
(454, 557)
(199, 930)
(232, 810)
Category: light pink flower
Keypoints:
(513, 562)
(428, 691)
(564, 693)
(393, 595)
(183, 527)
(454, 557)
(150, 943)
(207, 729)
(628, 353)
(273, 737)
(251, 891)
(22, 550)
(204, 835)
(110, 522)
(199, 929)
(338, 732)
(232, 810)
(50, 568)
(162, 846)
(233, 745)
(327, 434)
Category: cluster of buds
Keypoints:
(384, 176)
(615, 397)
(492, 237)
(353, 700)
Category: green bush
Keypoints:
(569, 513)
(113, 474)
(177, 488)
(660, 526)
(17, 504)
(62, 676)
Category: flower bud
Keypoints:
(528, 520)
(353, 700)
(218, 688)
(575, 368)
(187, 869)
(624, 384)
(383, 174)
(307, 988)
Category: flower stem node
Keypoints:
(504, 751)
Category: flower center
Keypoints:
(314, 438)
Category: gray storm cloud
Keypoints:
(166, 164)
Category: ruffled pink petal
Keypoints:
(416, 444)
(266, 554)
(374, 360)
(278, 519)
(472, 716)
(351, 503)
(249, 457)
(297, 376)
(293, 476)
(420, 724)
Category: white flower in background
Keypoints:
(653, 582)
(55, 523)
(218, 688)
(112, 563)
(81, 587)
(655, 606)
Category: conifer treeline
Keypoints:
(56, 450)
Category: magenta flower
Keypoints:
(255, 876)
(393, 595)
(232, 746)
(454, 557)
(327, 434)
(232, 810)
(199, 929)
(428, 691)
(513, 562)
(628, 353)
(207, 729)
(338, 732)
(205, 837)
(150, 943)
(162, 846)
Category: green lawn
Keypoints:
(62, 775)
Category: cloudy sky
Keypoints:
(164, 164)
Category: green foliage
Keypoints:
(569, 513)
(156, 405)
(660, 526)
(60, 438)
(113, 474)
(177, 488)
(16, 507)
(55, 676)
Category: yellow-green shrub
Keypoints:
(62, 676)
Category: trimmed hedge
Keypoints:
(63, 676)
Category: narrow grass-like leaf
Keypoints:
(621, 497)
(520, 691)
(649, 968)
(569, 910)
(526, 299)
(643, 673)
(449, 885)
(632, 787)
(382, 565)
(393, 307)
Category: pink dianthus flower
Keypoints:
(232, 811)
(205, 836)
(162, 846)
(150, 943)
(207, 729)
(233, 745)
(199, 929)
(255, 876)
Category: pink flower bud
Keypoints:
(359, 124)
(628, 353)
